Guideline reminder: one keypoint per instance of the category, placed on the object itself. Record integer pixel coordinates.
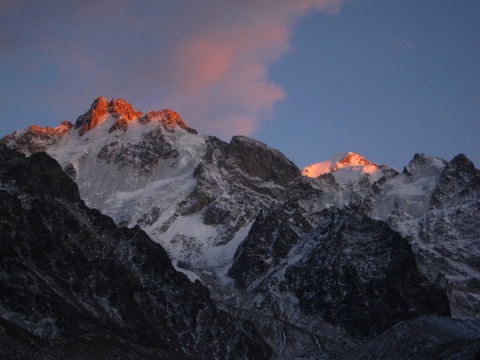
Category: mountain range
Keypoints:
(145, 236)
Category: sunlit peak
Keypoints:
(349, 160)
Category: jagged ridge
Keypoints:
(238, 215)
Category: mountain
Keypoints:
(73, 283)
(435, 205)
(319, 264)
(348, 169)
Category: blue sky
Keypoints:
(312, 78)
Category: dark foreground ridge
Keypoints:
(73, 283)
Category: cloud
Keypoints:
(221, 74)
(207, 60)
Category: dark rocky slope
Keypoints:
(73, 283)
(449, 235)
(362, 276)
(351, 271)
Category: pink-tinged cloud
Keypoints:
(220, 78)
(208, 60)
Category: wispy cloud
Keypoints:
(208, 60)
(222, 73)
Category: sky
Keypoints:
(311, 78)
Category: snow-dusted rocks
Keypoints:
(449, 235)
(315, 262)
(35, 139)
(146, 165)
(348, 169)
(435, 205)
(73, 284)
(360, 275)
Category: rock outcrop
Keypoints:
(72, 282)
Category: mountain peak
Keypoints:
(348, 168)
(35, 138)
(105, 116)
(124, 114)
(167, 118)
(338, 161)
(120, 109)
(97, 112)
(354, 159)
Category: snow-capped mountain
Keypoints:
(318, 262)
(156, 172)
(409, 203)
(348, 169)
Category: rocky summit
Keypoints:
(201, 248)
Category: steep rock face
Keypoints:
(450, 231)
(144, 155)
(269, 241)
(299, 272)
(93, 116)
(404, 199)
(41, 176)
(122, 111)
(354, 272)
(68, 272)
(259, 161)
(234, 181)
(434, 203)
(362, 276)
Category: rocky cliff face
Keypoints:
(434, 204)
(362, 276)
(347, 270)
(317, 264)
(73, 282)
(449, 231)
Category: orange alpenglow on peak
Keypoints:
(101, 108)
(118, 114)
(93, 116)
(121, 108)
(36, 138)
(168, 117)
(58, 130)
(124, 114)
(341, 160)
(354, 159)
